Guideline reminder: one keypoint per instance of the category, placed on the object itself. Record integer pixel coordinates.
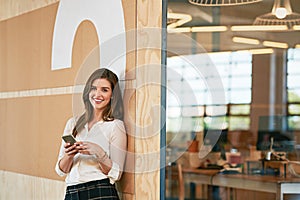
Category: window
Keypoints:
(293, 89)
(209, 91)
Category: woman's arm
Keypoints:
(66, 162)
(118, 150)
(105, 162)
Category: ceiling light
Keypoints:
(275, 44)
(222, 2)
(177, 19)
(209, 29)
(198, 29)
(259, 28)
(179, 30)
(261, 51)
(245, 40)
(281, 14)
(296, 27)
(258, 51)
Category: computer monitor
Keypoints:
(216, 138)
(276, 127)
(282, 141)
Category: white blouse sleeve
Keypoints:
(118, 149)
(68, 130)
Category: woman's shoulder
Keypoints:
(72, 121)
(117, 123)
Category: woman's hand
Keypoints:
(71, 150)
(89, 148)
(65, 164)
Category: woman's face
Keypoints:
(100, 94)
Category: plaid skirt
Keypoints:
(100, 189)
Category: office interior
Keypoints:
(233, 96)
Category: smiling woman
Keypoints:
(97, 158)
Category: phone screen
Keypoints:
(69, 139)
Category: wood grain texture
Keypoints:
(126, 184)
(32, 130)
(130, 14)
(13, 8)
(27, 61)
(127, 197)
(147, 142)
(17, 186)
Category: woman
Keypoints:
(95, 162)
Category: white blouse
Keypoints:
(111, 137)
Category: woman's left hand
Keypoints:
(89, 148)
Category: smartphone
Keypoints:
(69, 139)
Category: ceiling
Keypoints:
(227, 15)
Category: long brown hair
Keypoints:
(114, 109)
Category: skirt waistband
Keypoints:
(88, 184)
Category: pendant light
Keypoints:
(281, 14)
(222, 2)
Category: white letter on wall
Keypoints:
(108, 19)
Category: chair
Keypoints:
(180, 182)
(174, 173)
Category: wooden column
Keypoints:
(147, 142)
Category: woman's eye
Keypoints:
(93, 88)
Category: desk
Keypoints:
(280, 165)
(271, 184)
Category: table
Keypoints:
(281, 165)
(265, 183)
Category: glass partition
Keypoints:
(226, 69)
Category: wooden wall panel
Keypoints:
(19, 186)
(3, 131)
(29, 52)
(56, 109)
(33, 129)
(23, 52)
(3, 53)
(13, 8)
(130, 24)
(22, 139)
(126, 183)
(147, 142)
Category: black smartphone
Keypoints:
(69, 139)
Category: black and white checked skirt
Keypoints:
(100, 189)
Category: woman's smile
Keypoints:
(97, 101)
